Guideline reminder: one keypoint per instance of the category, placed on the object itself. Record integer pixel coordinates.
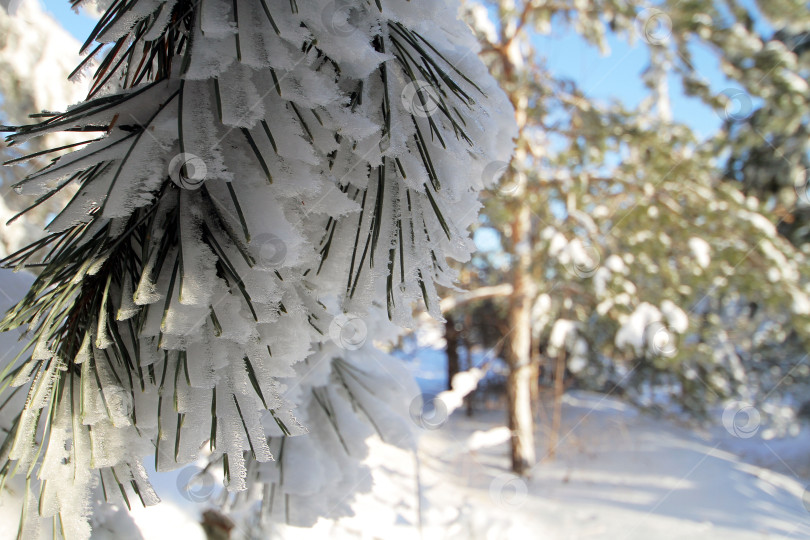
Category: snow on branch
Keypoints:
(266, 169)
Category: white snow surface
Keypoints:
(559, 333)
(676, 317)
(634, 329)
(701, 251)
(619, 475)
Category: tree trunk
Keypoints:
(536, 361)
(559, 388)
(217, 526)
(465, 341)
(451, 337)
(518, 354)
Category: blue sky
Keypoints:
(618, 75)
(80, 25)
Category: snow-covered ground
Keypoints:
(618, 475)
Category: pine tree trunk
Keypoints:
(465, 342)
(451, 337)
(536, 360)
(559, 388)
(519, 382)
(217, 526)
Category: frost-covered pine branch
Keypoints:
(255, 173)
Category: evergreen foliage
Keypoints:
(660, 262)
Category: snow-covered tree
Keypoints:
(633, 258)
(36, 57)
(261, 181)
